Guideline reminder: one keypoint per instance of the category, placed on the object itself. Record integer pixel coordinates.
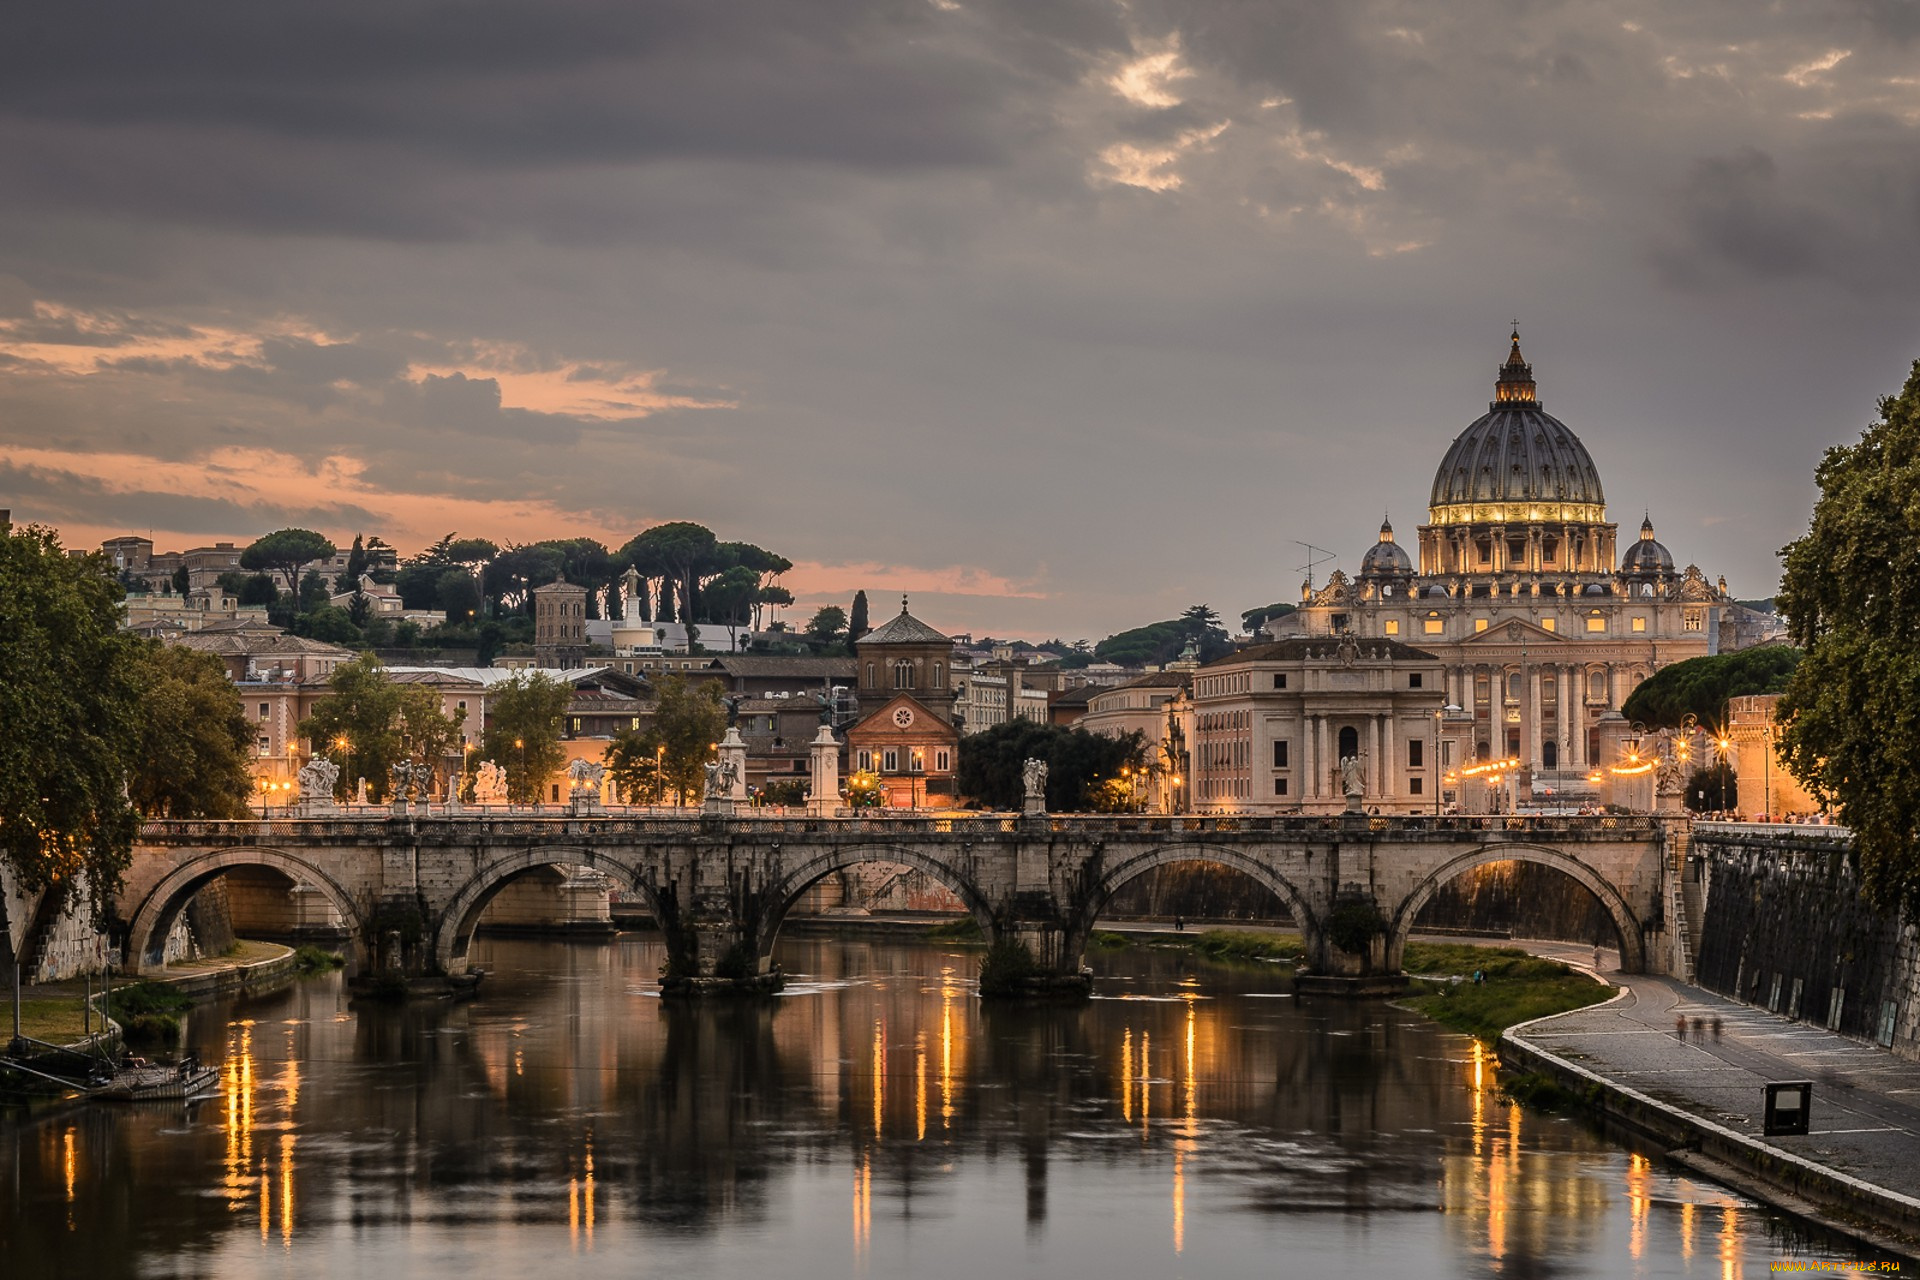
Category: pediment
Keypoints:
(1505, 631)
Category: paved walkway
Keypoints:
(1865, 1120)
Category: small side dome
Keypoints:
(1647, 558)
(1386, 558)
(1594, 589)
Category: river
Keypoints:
(1194, 1119)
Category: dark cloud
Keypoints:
(968, 296)
(48, 496)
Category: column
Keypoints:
(1613, 687)
(1320, 760)
(1561, 719)
(1309, 764)
(1533, 715)
(1372, 772)
(1389, 759)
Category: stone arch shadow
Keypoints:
(154, 918)
(1112, 879)
(779, 900)
(1633, 951)
(453, 927)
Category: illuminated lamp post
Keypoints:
(918, 760)
(342, 744)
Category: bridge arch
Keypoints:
(781, 897)
(154, 918)
(453, 930)
(1633, 955)
(1117, 876)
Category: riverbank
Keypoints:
(1687, 1070)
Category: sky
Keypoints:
(1059, 316)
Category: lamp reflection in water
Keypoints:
(920, 1086)
(580, 1201)
(879, 1074)
(947, 994)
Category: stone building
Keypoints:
(1272, 723)
(1539, 626)
(560, 625)
(906, 732)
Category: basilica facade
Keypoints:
(1513, 628)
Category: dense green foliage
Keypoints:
(857, 624)
(1007, 968)
(1851, 597)
(1703, 685)
(1713, 789)
(1237, 944)
(1159, 643)
(149, 1010)
(191, 758)
(1254, 619)
(990, 766)
(367, 723)
(669, 757)
(284, 552)
(524, 718)
(70, 684)
(1352, 926)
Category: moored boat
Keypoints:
(153, 1082)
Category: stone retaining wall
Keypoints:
(1784, 927)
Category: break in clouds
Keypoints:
(1067, 315)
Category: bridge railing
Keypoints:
(682, 822)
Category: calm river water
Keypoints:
(876, 1120)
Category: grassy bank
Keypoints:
(1517, 987)
(57, 1021)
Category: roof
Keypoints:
(258, 644)
(1322, 649)
(903, 629)
(1153, 680)
(1076, 696)
(786, 665)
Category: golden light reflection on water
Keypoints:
(920, 1086)
(947, 994)
(1686, 1230)
(863, 1205)
(1639, 1176)
(1126, 1075)
(879, 1074)
(1729, 1243)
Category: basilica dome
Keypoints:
(1516, 464)
(1647, 558)
(1386, 558)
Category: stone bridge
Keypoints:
(720, 887)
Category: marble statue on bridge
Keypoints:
(1353, 781)
(317, 779)
(1033, 774)
(489, 783)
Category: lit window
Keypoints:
(1479, 624)
(1434, 626)
(1546, 624)
(1693, 620)
(1393, 626)
(1596, 624)
(1639, 624)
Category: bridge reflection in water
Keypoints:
(877, 1119)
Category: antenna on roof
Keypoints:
(1315, 556)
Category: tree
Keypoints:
(313, 591)
(459, 595)
(329, 623)
(678, 552)
(633, 762)
(827, 625)
(990, 765)
(687, 721)
(1254, 619)
(194, 746)
(772, 598)
(524, 717)
(356, 565)
(284, 552)
(182, 581)
(367, 723)
(730, 600)
(1713, 789)
(69, 701)
(857, 619)
(511, 576)
(1851, 596)
(1701, 686)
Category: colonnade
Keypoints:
(1558, 715)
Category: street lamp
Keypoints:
(919, 761)
(521, 745)
(342, 744)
